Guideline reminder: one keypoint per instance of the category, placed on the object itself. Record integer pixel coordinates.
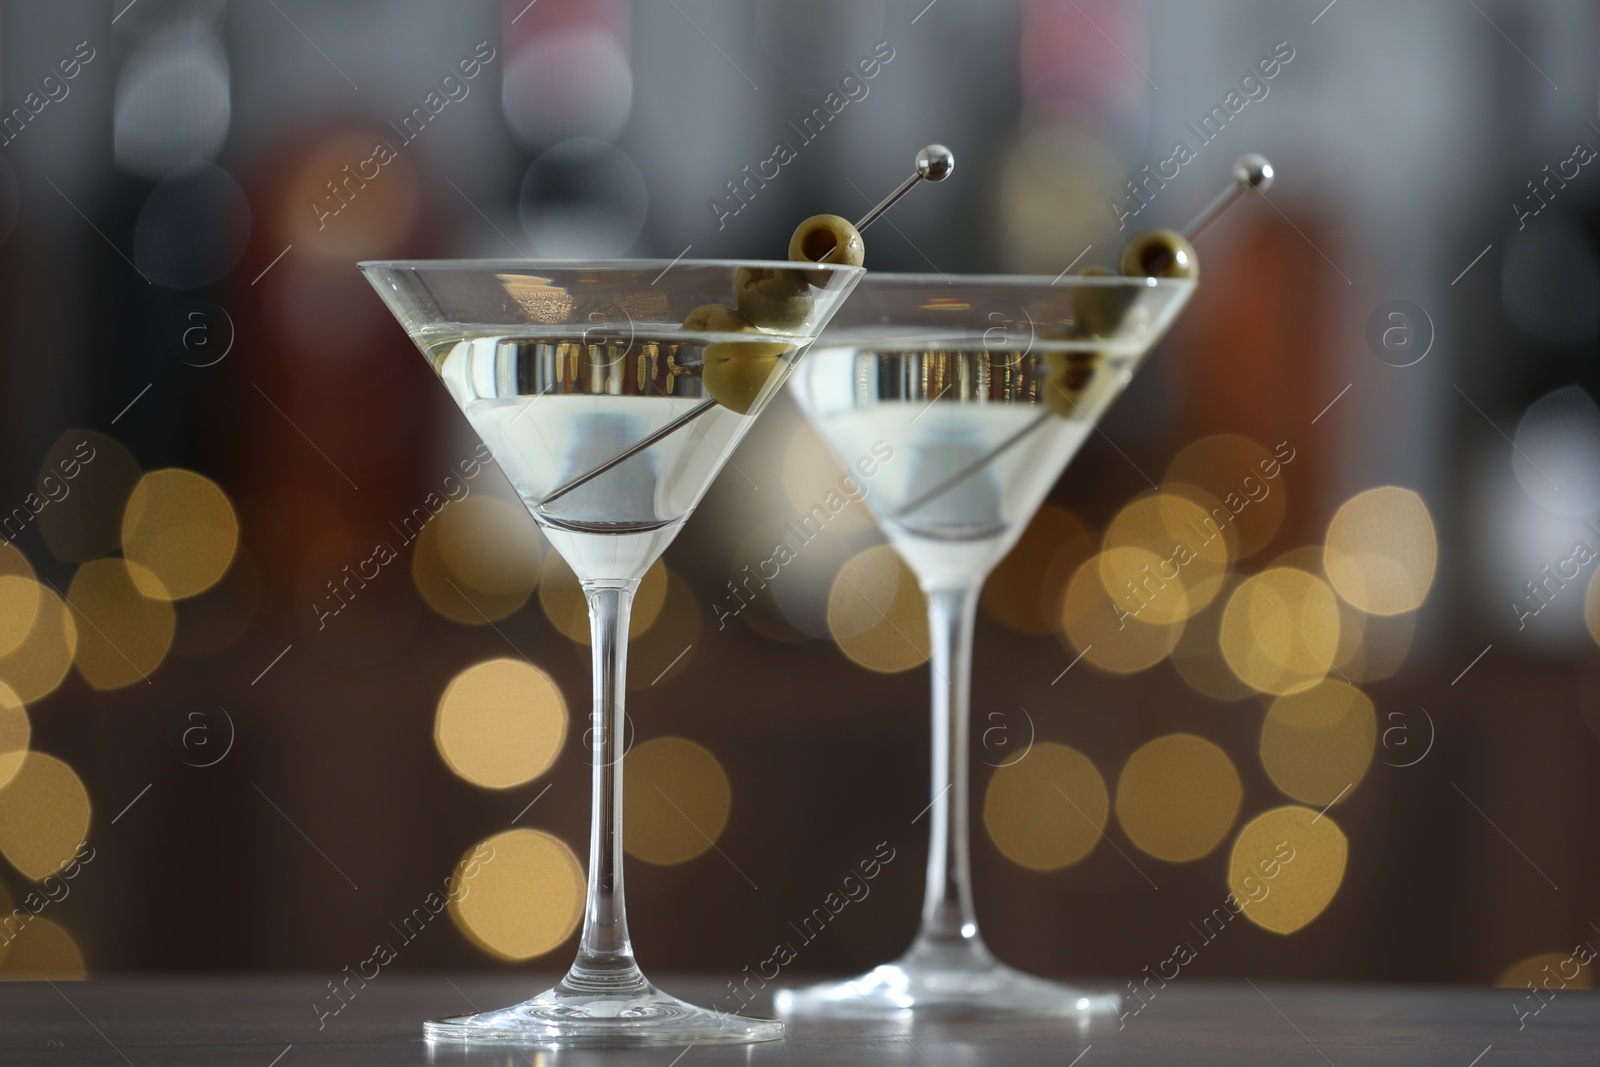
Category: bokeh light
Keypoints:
(179, 528)
(1317, 743)
(1198, 655)
(569, 81)
(478, 561)
(1382, 551)
(1280, 629)
(524, 896)
(88, 478)
(1177, 797)
(877, 614)
(1546, 971)
(1591, 607)
(825, 497)
(34, 668)
(44, 815)
(172, 101)
(1105, 632)
(1025, 591)
(1165, 557)
(500, 723)
(42, 952)
(1556, 451)
(1048, 809)
(1235, 471)
(668, 647)
(676, 800)
(561, 597)
(123, 633)
(1286, 867)
(15, 732)
(19, 609)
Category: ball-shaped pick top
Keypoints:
(1253, 171)
(935, 162)
(1159, 254)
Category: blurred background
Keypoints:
(276, 741)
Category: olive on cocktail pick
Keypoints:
(1159, 254)
(733, 372)
(1165, 254)
(779, 298)
(1066, 380)
(1098, 309)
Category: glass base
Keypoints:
(557, 1019)
(922, 987)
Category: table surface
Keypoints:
(269, 1022)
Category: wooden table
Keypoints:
(269, 1022)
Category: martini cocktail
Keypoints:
(985, 386)
(611, 394)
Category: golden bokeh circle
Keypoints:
(1317, 743)
(1165, 557)
(123, 634)
(1177, 797)
(1105, 632)
(1286, 867)
(1591, 607)
(15, 733)
(1048, 809)
(820, 490)
(36, 667)
(44, 815)
(19, 610)
(519, 894)
(561, 597)
(500, 723)
(42, 951)
(478, 561)
(1280, 630)
(1198, 656)
(877, 614)
(1540, 969)
(1381, 550)
(180, 529)
(676, 800)
(1244, 478)
(1024, 591)
(97, 474)
(668, 647)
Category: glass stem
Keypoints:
(949, 933)
(605, 955)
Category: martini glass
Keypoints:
(588, 388)
(952, 373)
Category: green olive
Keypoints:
(1066, 380)
(716, 318)
(775, 298)
(1099, 309)
(827, 239)
(1159, 254)
(735, 372)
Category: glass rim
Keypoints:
(955, 282)
(842, 269)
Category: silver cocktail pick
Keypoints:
(1251, 171)
(934, 164)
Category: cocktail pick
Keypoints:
(1251, 171)
(933, 164)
